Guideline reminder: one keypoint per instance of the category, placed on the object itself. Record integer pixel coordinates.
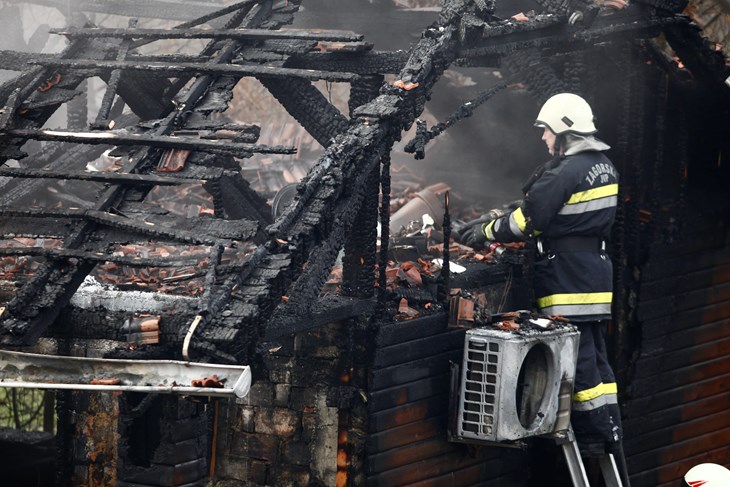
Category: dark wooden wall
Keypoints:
(678, 409)
(408, 414)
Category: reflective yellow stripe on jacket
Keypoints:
(517, 225)
(591, 200)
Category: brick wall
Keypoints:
(292, 428)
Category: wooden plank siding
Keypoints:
(677, 402)
(408, 414)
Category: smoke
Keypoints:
(25, 29)
(484, 158)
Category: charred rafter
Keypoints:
(366, 63)
(157, 141)
(362, 62)
(308, 106)
(102, 117)
(171, 228)
(553, 31)
(109, 177)
(236, 34)
(94, 68)
(59, 254)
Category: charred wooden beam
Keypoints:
(7, 112)
(366, 63)
(197, 122)
(358, 264)
(34, 77)
(158, 141)
(145, 94)
(55, 254)
(308, 106)
(18, 60)
(107, 177)
(142, 92)
(553, 32)
(54, 157)
(102, 117)
(168, 228)
(241, 11)
(12, 189)
(165, 69)
(287, 317)
(696, 52)
(236, 34)
(246, 17)
(240, 201)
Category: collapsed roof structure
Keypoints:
(260, 279)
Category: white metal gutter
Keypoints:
(39, 371)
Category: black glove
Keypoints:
(462, 230)
(471, 233)
(475, 238)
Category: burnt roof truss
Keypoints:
(175, 126)
(273, 287)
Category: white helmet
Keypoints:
(566, 113)
(707, 475)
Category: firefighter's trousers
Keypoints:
(595, 416)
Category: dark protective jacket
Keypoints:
(570, 207)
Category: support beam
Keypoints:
(366, 63)
(236, 34)
(157, 141)
(358, 264)
(308, 106)
(102, 117)
(107, 177)
(207, 231)
(172, 70)
(100, 257)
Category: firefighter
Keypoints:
(569, 207)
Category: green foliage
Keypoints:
(27, 409)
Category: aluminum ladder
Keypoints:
(566, 440)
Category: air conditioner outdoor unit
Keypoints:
(515, 384)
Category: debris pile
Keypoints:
(414, 269)
(179, 279)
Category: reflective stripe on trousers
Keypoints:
(595, 417)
